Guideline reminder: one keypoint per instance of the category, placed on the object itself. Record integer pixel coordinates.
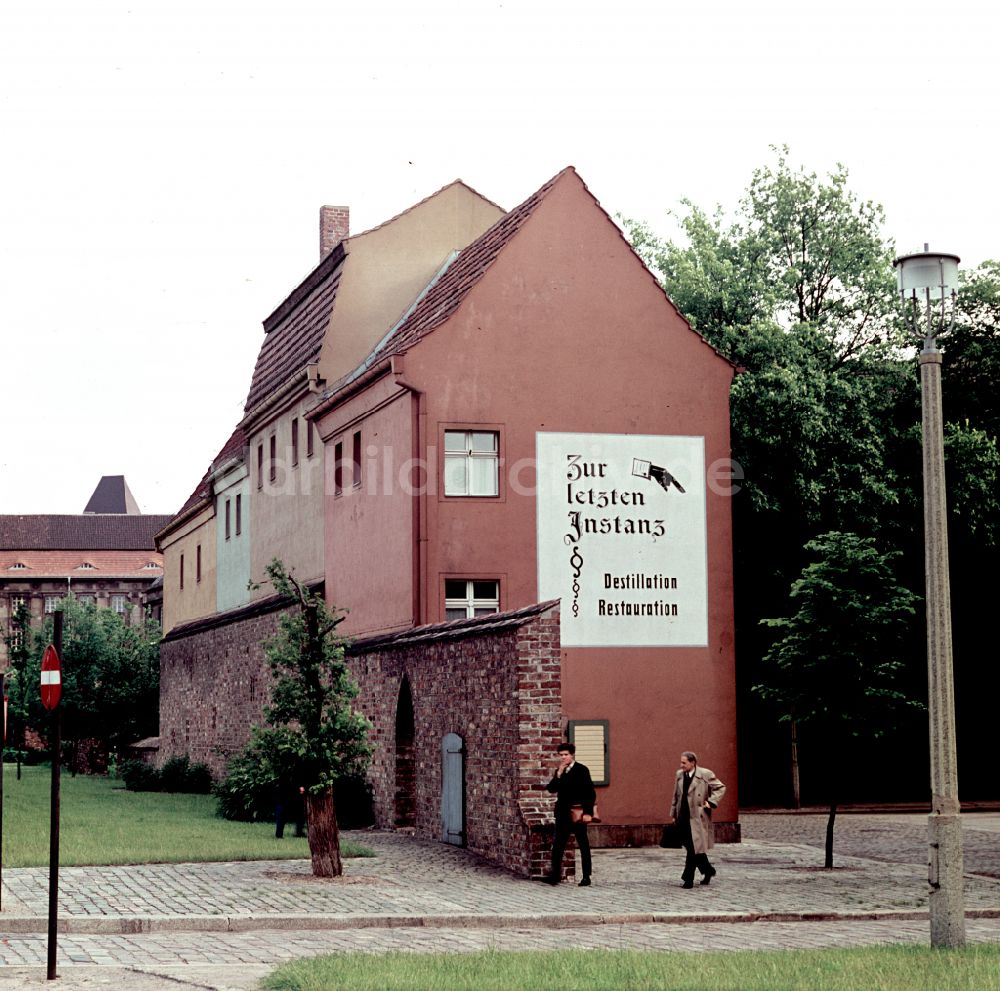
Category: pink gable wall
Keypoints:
(565, 332)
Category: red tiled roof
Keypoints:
(295, 331)
(445, 296)
(90, 532)
(62, 563)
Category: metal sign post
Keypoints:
(51, 693)
(3, 747)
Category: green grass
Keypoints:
(102, 823)
(881, 968)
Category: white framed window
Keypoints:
(471, 462)
(86, 566)
(152, 566)
(51, 603)
(119, 603)
(87, 600)
(19, 566)
(465, 598)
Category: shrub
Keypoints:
(139, 776)
(248, 791)
(179, 774)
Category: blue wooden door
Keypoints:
(453, 790)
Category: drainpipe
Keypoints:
(418, 438)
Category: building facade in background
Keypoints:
(106, 555)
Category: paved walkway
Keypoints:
(222, 926)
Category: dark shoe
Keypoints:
(709, 874)
(585, 883)
(551, 879)
(687, 883)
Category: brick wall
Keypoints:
(214, 684)
(499, 690)
(495, 681)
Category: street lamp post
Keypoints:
(928, 282)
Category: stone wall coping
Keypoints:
(259, 608)
(452, 630)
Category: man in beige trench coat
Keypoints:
(696, 792)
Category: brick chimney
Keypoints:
(334, 226)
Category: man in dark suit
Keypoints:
(574, 790)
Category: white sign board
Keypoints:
(622, 538)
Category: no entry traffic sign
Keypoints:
(51, 678)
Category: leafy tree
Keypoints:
(110, 678)
(801, 251)
(16, 684)
(797, 289)
(836, 664)
(313, 732)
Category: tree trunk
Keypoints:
(829, 835)
(324, 836)
(796, 789)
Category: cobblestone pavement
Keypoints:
(225, 925)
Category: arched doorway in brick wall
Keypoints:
(406, 782)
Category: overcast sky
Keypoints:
(164, 164)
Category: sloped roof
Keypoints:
(112, 495)
(451, 288)
(234, 447)
(294, 332)
(86, 563)
(91, 532)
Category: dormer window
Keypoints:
(86, 566)
(152, 565)
(18, 566)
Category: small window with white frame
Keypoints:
(471, 463)
(51, 603)
(119, 603)
(465, 598)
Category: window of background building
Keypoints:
(338, 469)
(197, 563)
(51, 603)
(272, 450)
(591, 739)
(87, 600)
(15, 603)
(19, 566)
(464, 599)
(309, 439)
(260, 466)
(119, 603)
(182, 571)
(356, 459)
(239, 514)
(295, 440)
(471, 463)
(228, 518)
